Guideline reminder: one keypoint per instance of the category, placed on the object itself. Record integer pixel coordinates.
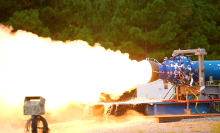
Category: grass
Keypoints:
(178, 124)
(215, 127)
(195, 130)
(200, 126)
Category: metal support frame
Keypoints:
(200, 52)
(155, 109)
(174, 108)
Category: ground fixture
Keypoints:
(35, 106)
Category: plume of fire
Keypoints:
(62, 72)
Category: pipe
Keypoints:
(191, 101)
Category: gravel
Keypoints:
(198, 125)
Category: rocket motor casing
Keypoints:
(179, 70)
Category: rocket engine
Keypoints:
(185, 74)
(180, 70)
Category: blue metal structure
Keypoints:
(179, 70)
(189, 79)
(174, 108)
(212, 68)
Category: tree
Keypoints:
(28, 20)
(152, 28)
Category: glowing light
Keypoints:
(60, 72)
(63, 72)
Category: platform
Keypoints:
(174, 118)
(161, 107)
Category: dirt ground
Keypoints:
(130, 123)
(136, 124)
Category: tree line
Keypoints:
(142, 28)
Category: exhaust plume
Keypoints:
(62, 72)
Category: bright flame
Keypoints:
(62, 72)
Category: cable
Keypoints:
(34, 122)
(208, 97)
(196, 97)
(210, 103)
(27, 124)
(205, 94)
